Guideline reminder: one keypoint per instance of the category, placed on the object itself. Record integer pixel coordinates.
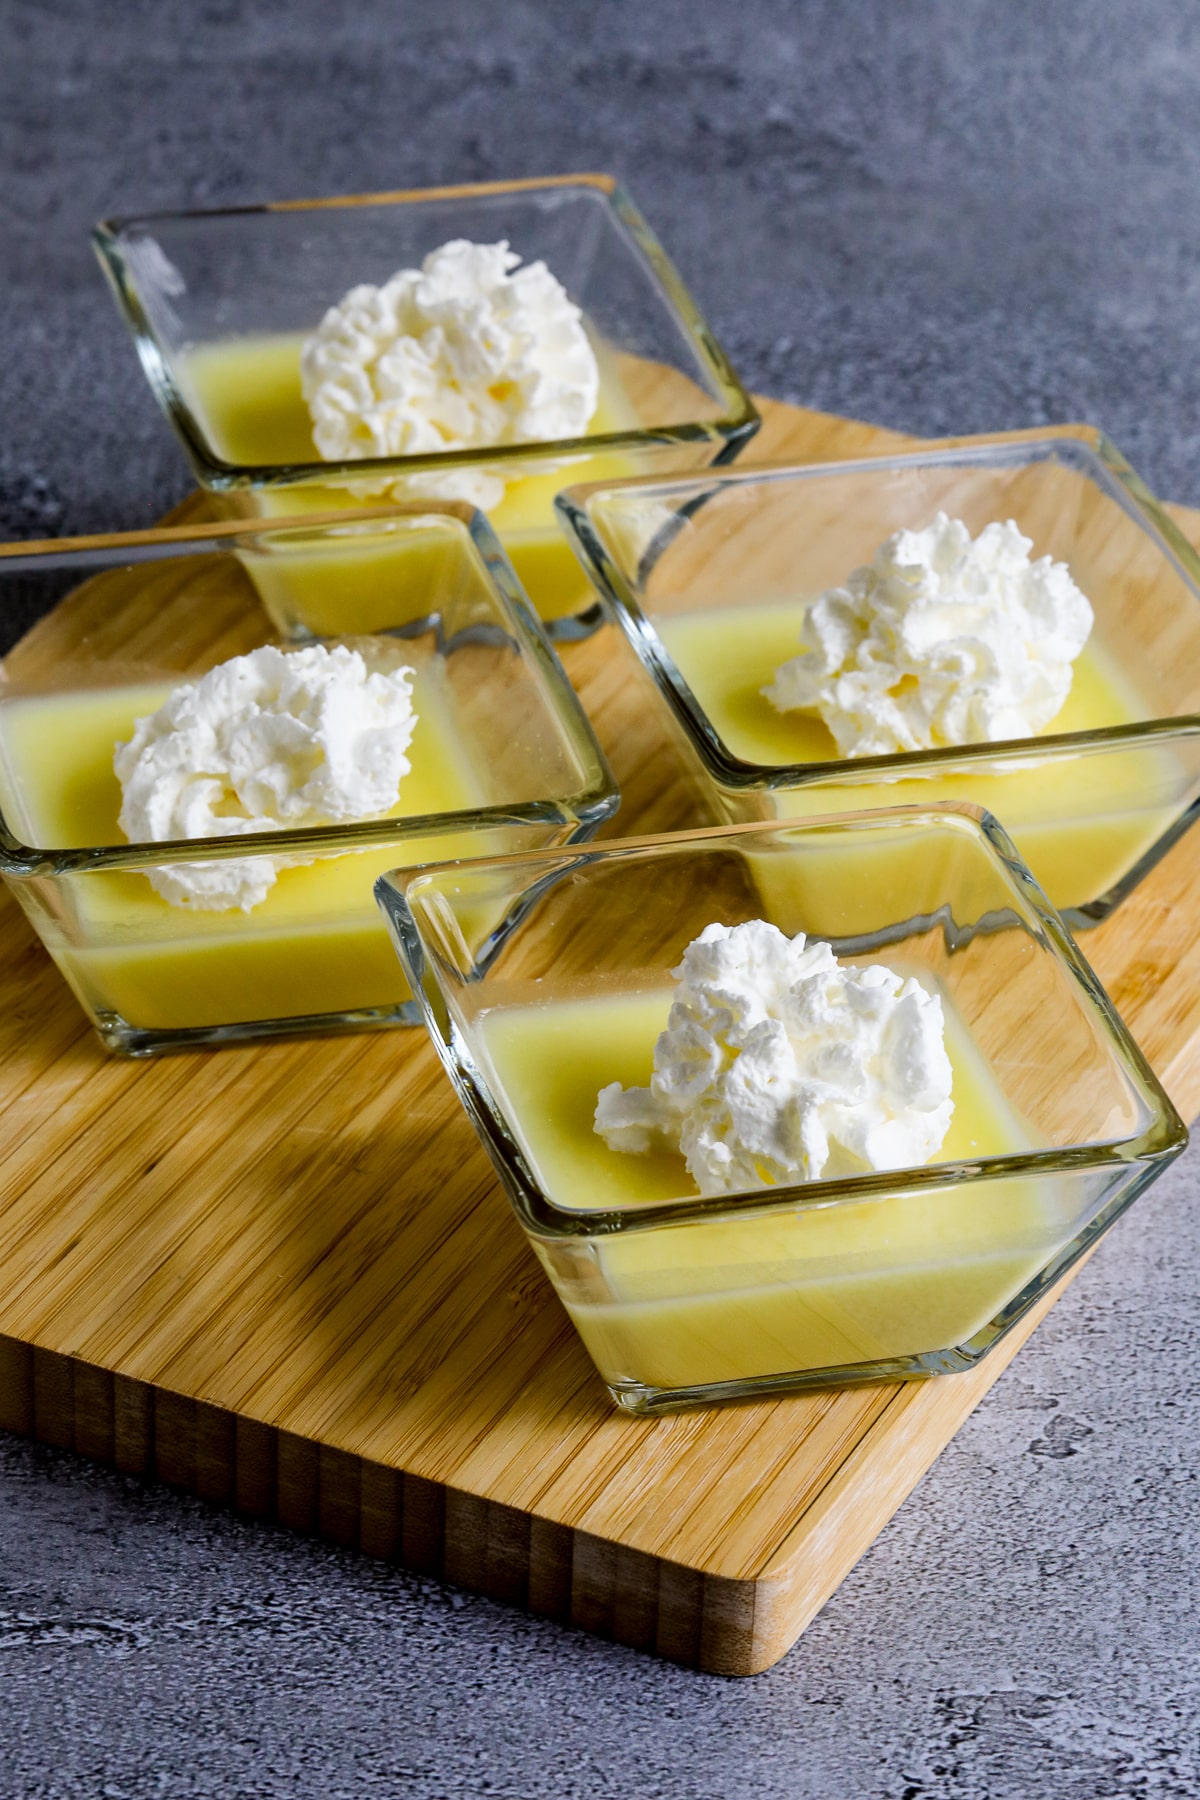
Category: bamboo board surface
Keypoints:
(285, 1277)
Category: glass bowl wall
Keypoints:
(709, 579)
(1058, 1124)
(502, 758)
(219, 304)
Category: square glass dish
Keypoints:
(1058, 1121)
(710, 579)
(221, 302)
(502, 757)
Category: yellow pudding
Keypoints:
(1080, 824)
(246, 395)
(315, 945)
(357, 580)
(730, 1299)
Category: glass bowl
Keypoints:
(502, 758)
(220, 302)
(1058, 1121)
(709, 579)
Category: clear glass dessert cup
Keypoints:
(220, 302)
(1059, 1123)
(709, 576)
(502, 758)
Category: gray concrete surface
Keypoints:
(955, 216)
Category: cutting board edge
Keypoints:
(700, 1619)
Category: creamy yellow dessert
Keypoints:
(360, 579)
(739, 1298)
(314, 945)
(1080, 825)
(247, 396)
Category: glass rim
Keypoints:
(586, 806)
(737, 421)
(1117, 478)
(1163, 1136)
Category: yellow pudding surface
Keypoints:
(1080, 823)
(316, 944)
(737, 1298)
(246, 394)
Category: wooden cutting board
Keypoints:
(286, 1279)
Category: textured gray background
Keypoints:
(947, 217)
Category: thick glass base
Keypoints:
(631, 1397)
(124, 1039)
(643, 1401)
(575, 626)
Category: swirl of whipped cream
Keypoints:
(781, 1065)
(260, 743)
(939, 640)
(468, 351)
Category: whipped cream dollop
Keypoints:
(941, 639)
(781, 1065)
(260, 743)
(470, 350)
